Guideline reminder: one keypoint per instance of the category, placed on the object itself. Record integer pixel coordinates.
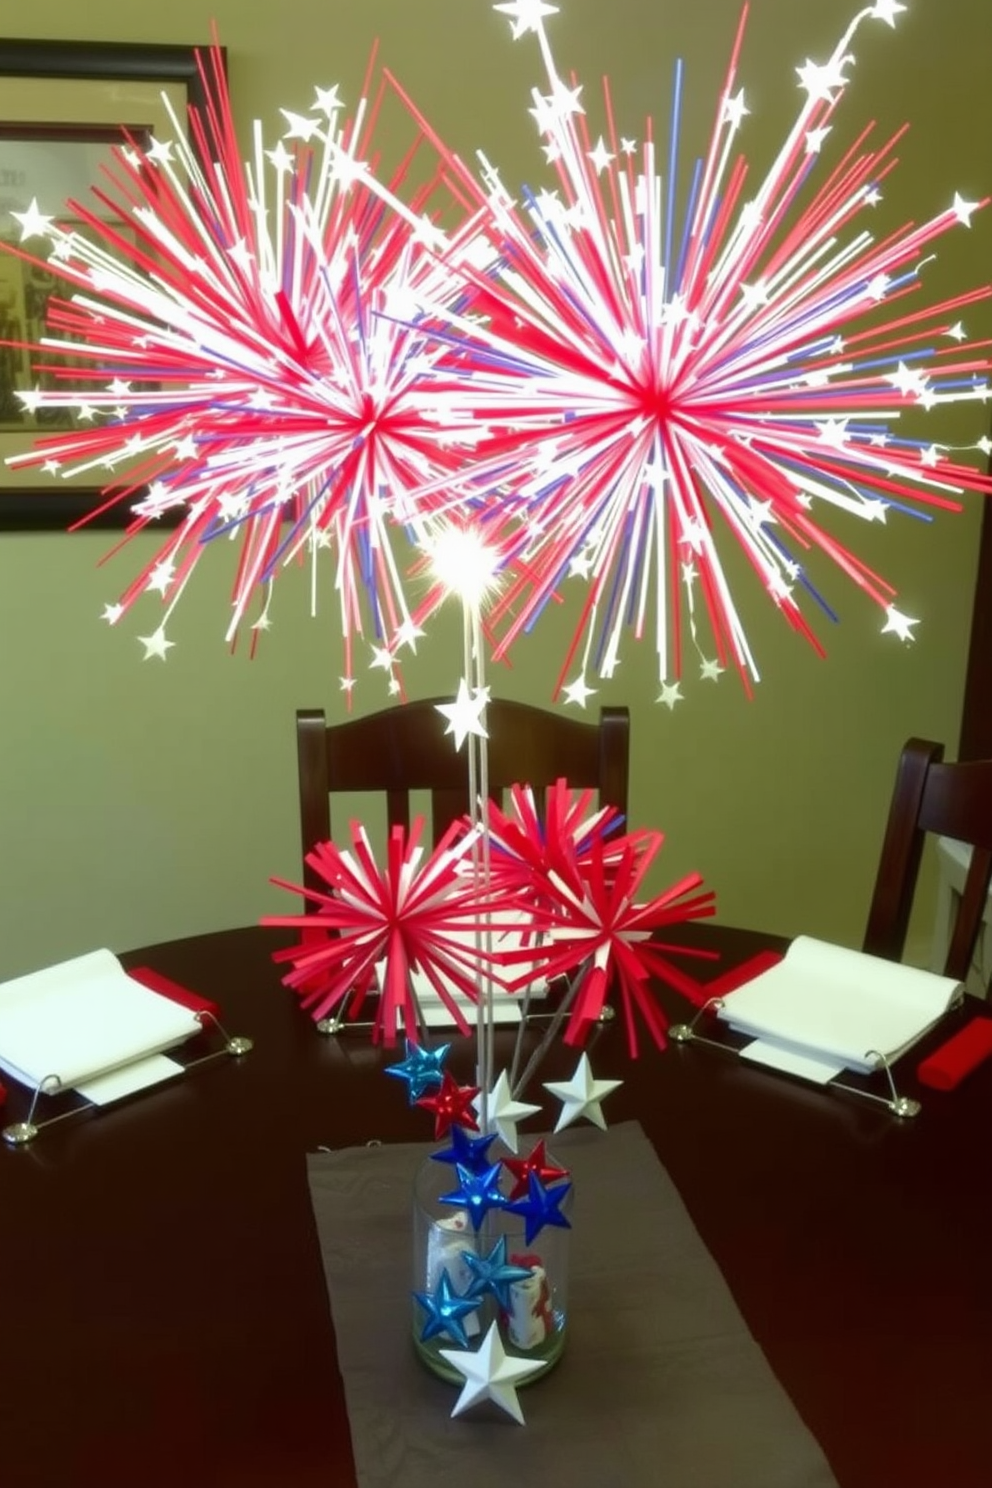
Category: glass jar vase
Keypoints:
(516, 1274)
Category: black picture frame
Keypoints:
(58, 507)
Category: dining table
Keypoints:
(165, 1317)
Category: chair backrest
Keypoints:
(951, 800)
(405, 749)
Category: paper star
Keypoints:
(467, 1152)
(670, 695)
(477, 1192)
(421, 1069)
(112, 613)
(577, 692)
(156, 644)
(451, 1104)
(734, 110)
(535, 1162)
(492, 1273)
(710, 670)
(34, 223)
(504, 1112)
(526, 15)
(886, 10)
(445, 1310)
(963, 209)
(490, 1373)
(465, 714)
(820, 81)
(899, 624)
(581, 1095)
(542, 1206)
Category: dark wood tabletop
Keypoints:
(165, 1319)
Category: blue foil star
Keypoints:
(491, 1273)
(541, 1207)
(445, 1310)
(465, 1151)
(421, 1069)
(477, 1193)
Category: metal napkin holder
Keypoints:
(903, 1106)
(21, 1133)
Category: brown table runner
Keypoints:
(660, 1386)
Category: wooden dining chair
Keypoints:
(951, 800)
(405, 749)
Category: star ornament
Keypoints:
(477, 1192)
(503, 1112)
(421, 1069)
(535, 1162)
(467, 714)
(493, 1273)
(490, 1373)
(542, 1206)
(445, 1310)
(452, 1106)
(581, 1096)
(471, 1153)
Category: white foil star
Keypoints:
(503, 1112)
(581, 1095)
(490, 1373)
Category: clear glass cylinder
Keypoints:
(531, 1310)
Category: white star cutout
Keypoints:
(490, 1373)
(464, 715)
(963, 209)
(670, 694)
(526, 15)
(899, 624)
(710, 670)
(34, 223)
(581, 1095)
(503, 1113)
(577, 692)
(886, 10)
(156, 644)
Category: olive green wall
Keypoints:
(141, 801)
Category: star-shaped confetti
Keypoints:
(445, 1310)
(490, 1373)
(581, 1095)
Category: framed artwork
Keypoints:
(64, 106)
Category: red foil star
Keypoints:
(535, 1162)
(452, 1106)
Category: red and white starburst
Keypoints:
(376, 925)
(252, 340)
(579, 890)
(648, 379)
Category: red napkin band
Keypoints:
(963, 1052)
(166, 987)
(746, 972)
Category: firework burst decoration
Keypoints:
(246, 334)
(653, 381)
(609, 385)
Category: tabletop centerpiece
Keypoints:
(297, 355)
